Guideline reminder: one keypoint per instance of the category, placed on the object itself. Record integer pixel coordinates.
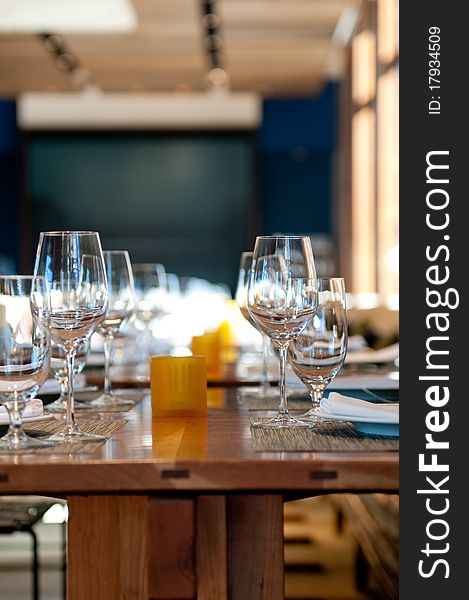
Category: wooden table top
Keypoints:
(194, 454)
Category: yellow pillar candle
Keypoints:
(208, 345)
(229, 353)
(178, 386)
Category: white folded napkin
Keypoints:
(385, 355)
(34, 408)
(345, 406)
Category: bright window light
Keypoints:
(363, 202)
(66, 16)
(57, 513)
(388, 183)
(364, 67)
(387, 29)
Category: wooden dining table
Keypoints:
(185, 508)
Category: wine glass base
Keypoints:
(12, 443)
(281, 421)
(110, 401)
(55, 407)
(311, 416)
(61, 407)
(73, 436)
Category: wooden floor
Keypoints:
(319, 560)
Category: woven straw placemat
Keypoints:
(325, 437)
(254, 401)
(42, 429)
(83, 400)
(298, 400)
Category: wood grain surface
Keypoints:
(184, 508)
(214, 453)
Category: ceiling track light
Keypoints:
(217, 76)
(67, 61)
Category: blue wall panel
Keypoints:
(297, 144)
(9, 187)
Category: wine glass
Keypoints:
(318, 353)
(120, 308)
(282, 296)
(151, 292)
(58, 369)
(24, 357)
(74, 305)
(265, 390)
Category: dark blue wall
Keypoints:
(9, 186)
(181, 199)
(297, 143)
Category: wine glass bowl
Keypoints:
(318, 353)
(151, 291)
(77, 299)
(282, 307)
(24, 356)
(282, 296)
(241, 295)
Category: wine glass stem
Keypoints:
(316, 397)
(283, 408)
(107, 364)
(14, 413)
(265, 363)
(63, 390)
(70, 413)
(146, 341)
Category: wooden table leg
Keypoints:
(211, 548)
(255, 547)
(187, 548)
(107, 542)
(116, 549)
(171, 537)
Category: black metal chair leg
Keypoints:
(64, 560)
(35, 565)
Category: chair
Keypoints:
(21, 513)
